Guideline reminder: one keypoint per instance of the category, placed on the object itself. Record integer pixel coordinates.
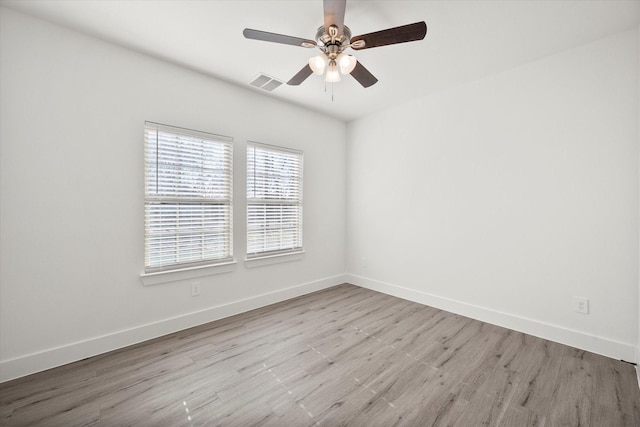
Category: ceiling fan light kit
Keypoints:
(333, 38)
(346, 64)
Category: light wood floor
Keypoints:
(342, 356)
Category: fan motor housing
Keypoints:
(324, 39)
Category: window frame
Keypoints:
(215, 210)
(265, 257)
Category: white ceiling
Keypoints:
(465, 41)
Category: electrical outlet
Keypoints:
(363, 262)
(195, 289)
(581, 305)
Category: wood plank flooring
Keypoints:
(341, 356)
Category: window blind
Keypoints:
(188, 198)
(274, 200)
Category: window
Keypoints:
(188, 205)
(274, 200)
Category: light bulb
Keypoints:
(333, 75)
(346, 63)
(317, 64)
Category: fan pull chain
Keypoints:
(325, 89)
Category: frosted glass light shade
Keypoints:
(318, 64)
(333, 75)
(346, 63)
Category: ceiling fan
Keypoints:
(333, 38)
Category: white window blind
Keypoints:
(274, 200)
(188, 198)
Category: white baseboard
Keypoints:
(595, 344)
(37, 362)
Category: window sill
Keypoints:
(273, 259)
(186, 273)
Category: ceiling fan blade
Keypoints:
(363, 76)
(301, 76)
(403, 34)
(277, 38)
(334, 14)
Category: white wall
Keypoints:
(500, 199)
(504, 198)
(71, 195)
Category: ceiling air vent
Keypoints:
(265, 82)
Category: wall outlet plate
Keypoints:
(195, 289)
(581, 305)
